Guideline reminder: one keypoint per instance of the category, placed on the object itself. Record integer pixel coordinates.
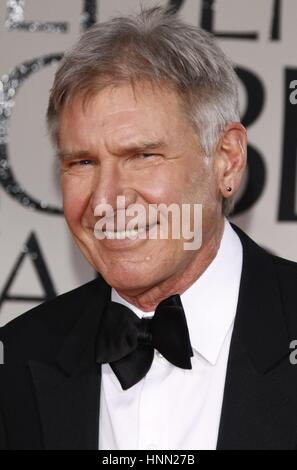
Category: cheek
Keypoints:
(153, 188)
(166, 186)
(164, 193)
(75, 200)
(200, 181)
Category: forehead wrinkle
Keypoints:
(128, 125)
(123, 117)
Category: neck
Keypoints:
(147, 300)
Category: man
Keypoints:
(169, 348)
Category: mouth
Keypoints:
(129, 234)
(120, 235)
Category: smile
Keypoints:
(120, 235)
(130, 234)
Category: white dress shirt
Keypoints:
(174, 408)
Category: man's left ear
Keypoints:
(230, 158)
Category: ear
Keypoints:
(230, 158)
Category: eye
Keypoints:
(144, 160)
(81, 163)
(145, 155)
(84, 162)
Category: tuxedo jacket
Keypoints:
(50, 383)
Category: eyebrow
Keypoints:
(71, 155)
(67, 155)
(137, 147)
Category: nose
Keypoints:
(108, 185)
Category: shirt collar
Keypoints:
(210, 302)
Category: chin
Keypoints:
(126, 280)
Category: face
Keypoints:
(134, 143)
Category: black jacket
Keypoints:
(50, 383)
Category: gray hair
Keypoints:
(157, 46)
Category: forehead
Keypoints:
(122, 110)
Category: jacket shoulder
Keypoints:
(41, 330)
(282, 270)
(286, 272)
(285, 266)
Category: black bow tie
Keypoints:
(127, 342)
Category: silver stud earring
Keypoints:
(229, 189)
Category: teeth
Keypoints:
(123, 234)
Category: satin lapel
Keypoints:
(68, 390)
(260, 387)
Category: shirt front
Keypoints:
(173, 408)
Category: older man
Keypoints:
(171, 347)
